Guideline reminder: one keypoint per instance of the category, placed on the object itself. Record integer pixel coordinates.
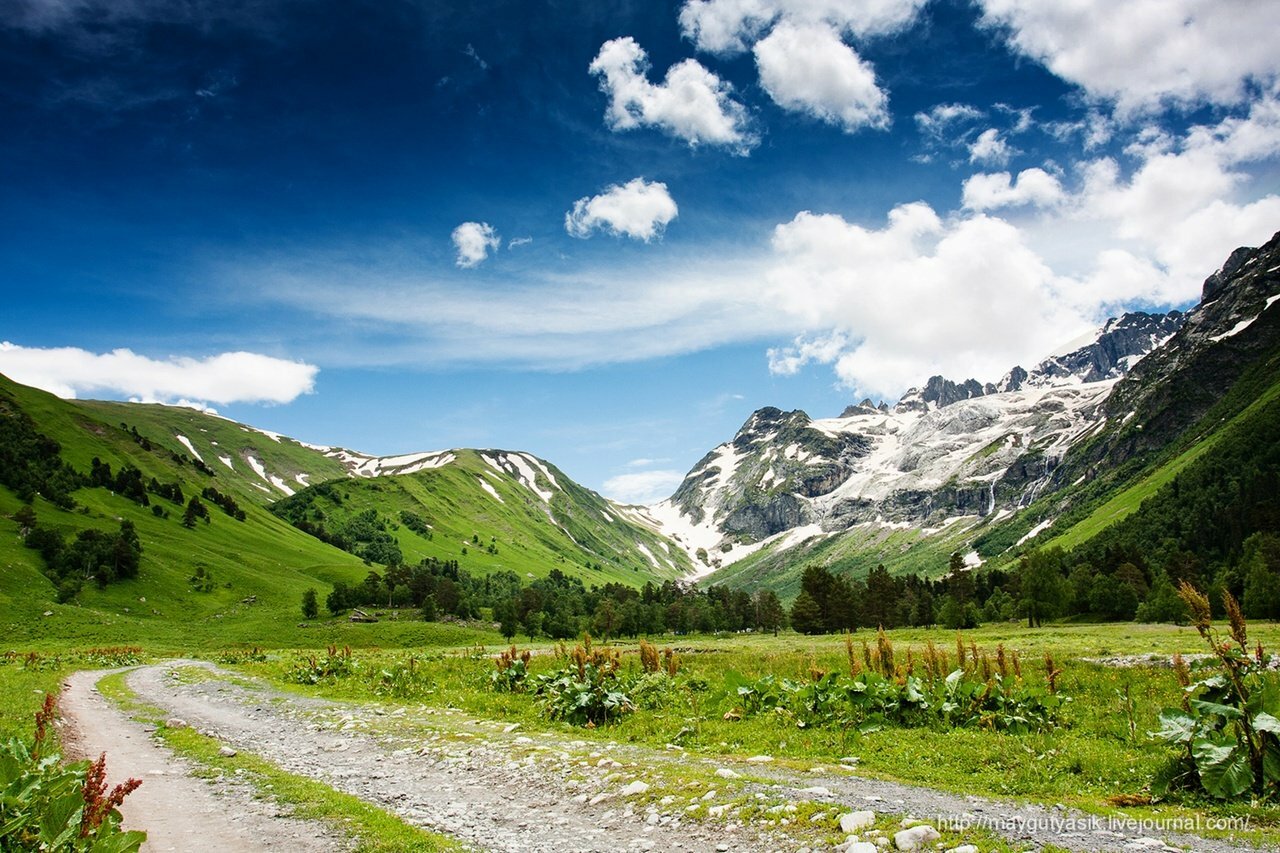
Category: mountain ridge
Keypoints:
(950, 450)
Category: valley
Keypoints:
(1073, 496)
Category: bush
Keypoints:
(880, 691)
(1229, 723)
(46, 805)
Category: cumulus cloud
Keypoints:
(808, 69)
(990, 149)
(691, 103)
(638, 209)
(730, 26)
(913, 298)
(231, 377)
(474, 241)
(1142, 55)
(642, 487)
(995, 190)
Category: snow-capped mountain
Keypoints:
(951, 450)
(944, 450)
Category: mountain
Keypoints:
(980, 468)
(488, 510)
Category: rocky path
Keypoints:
(496, 788)
(177, 810)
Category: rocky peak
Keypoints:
(1213, 284)
(866, 407)
(1119, 345)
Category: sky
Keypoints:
(606, 233)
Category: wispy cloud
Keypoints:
(645, 487)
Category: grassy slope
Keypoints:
(855, 553)
(264, 556)
(1126, 501)
(532, 537)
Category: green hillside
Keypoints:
(493, 519)
(225, 581)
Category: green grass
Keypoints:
(854, 552)
(265, 559)
(1099, 751)
(531, 536)
(373, 830)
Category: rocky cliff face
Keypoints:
(970, 449)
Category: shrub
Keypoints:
(511, 671)
(1229, 723)
(882, 689)
(336, 664)
(48, 805)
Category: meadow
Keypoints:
(1097, 756)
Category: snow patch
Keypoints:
(1235, 330)
(256, 465)
(484, 484)
(186, 442)
(281, 485)
(649, 554)
(302, 479)
(226, 460)
(1035, 531)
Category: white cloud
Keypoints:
(1143, 54)
(638, 209)
(730, 26)
(808, 69)
(917, 297)
(995, 190)
(517, 242)
(990, 148)
(691, 103)
(231, 377)
(941, 118)
(474, 241)
(964, 292)
(643, 487)
(825, 349)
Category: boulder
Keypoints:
(856, 821)
(916, 838)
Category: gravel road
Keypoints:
(495, 788)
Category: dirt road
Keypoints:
(494, 788)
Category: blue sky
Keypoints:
(606, 233)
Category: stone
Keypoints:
(964, 848)
(709, 795)
(856, 821)
(817, 791)
(175, 723)
(227, 752)
(760, 759)
(636, 787)
(726, 773)
(916, 838)
(861, 847)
